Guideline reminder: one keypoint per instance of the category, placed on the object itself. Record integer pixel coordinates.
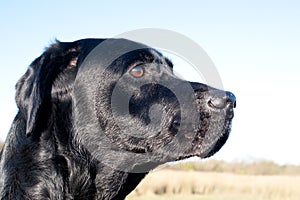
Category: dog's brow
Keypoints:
(161, 59)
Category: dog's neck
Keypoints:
(103, 179)
(89, 176)
(116, 185)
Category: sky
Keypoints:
(254, 44)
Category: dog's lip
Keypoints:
(221, 140)
(230, 111)
(229, 114)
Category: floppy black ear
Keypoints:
(33, 90)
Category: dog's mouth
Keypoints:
(217, 140)
(210, 135)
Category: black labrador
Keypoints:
(95, 115)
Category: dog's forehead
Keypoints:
(119, 52)
(161, 59)
(148, 55)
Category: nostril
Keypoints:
(217, 102)
(220, 100)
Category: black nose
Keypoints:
(221, 100)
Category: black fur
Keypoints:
(73, 139)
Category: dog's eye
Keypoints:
(137, 71)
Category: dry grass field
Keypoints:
(191, 185)
(218, 180)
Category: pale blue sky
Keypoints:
(255, 45)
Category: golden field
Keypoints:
(219, 180)
(191, 185)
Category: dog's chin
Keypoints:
(216, 147)
(204, 150)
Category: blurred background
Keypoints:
(255, 46)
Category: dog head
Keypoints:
(125, 105)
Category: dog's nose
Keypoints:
(220, 100)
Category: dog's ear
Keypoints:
(33, 90)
